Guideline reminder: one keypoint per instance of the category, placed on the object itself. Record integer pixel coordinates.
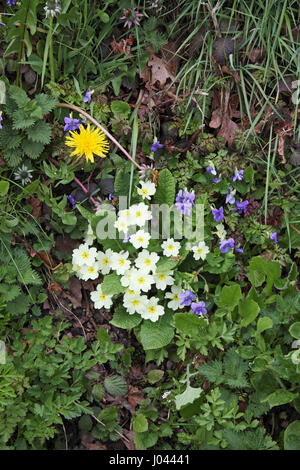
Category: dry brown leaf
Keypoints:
(130, 443)
(134, 397)
(36, 205)
(228, 130)
(159, 70)
(216, 119)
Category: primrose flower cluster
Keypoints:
(148, 291)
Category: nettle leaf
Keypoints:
(156, 335)
(229, 297)
(9, 292)
(212, 371)
(32, 149)
(122, 319)
(39, 132)
(165, 191)
(291, 436)
(188, 396)
(116, 385)
(18, 95)
(248, 309)
(111, 285)
(235, 370)
(46, 102)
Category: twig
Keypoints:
(88, 116)
(117, 432)
(296, 230)
(70, 311)
(212, 12)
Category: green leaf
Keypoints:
(111, 284)
(122, 319)
(156, 335)
(248, 309)
(144, 440)
(264, 324)
(188, 396)
(103, 336)
(261, 268)
(187, 323)
(291, 436)
(4, 187)
(116, 385)
(165, 265)
(140, 423)
(121, 183)
(40, 132)
(165, 191)
(155, 375)
(294, 330)
(120, 108)
(85, 423)
(280, 397)
(229, 297)
(212, 371)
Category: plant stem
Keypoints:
(52, 71)
(88, 116)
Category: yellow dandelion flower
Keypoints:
(88, 141)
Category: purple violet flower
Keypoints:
(187, 298)
(238, 175)
(1, 119)
(241, 206)
(71, 201)
(218, 214)
(230, 199)
(226, 244)
(126, 239)
(199, 309)
(87, 97)
(71, 124)
(239, 250)
(111, 197)
(157, 145)
(212, 170)
(217, 180)
(2, 24)
(274, 237)
(185, 201)
(10, 3)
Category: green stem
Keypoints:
(52, 71)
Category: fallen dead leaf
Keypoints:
(134, 397)
(159, 70)
(130, 443)
(36, 205)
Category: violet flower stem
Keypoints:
(88, 116)
(55, 162)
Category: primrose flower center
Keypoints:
(152, 310)
(85, 255)
(121, 262)
(171, 247)
(176, 298)
(135, 302)
(105, 261)
(147, 262)
(91, 269)
(141, 280)
(102, 297)
(161, 277)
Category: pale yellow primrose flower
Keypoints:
(84, 255)
(152, 310)
(200, 251)
(140, 239)
(101, 300)
(174, 303)
(170, 247)
(147, 190)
